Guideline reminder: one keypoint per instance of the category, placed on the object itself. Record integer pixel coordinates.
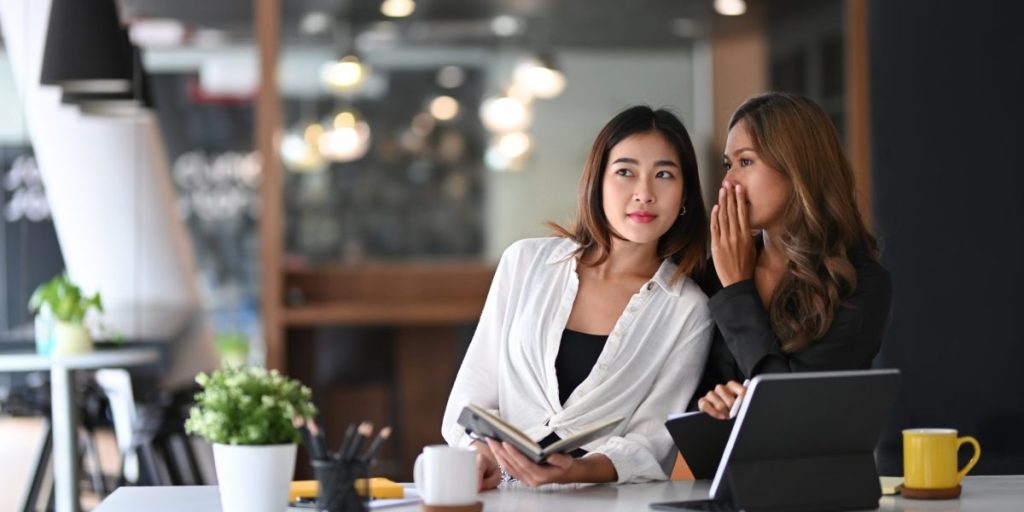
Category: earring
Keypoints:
(682, 211)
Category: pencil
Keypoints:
(319, 445)
(363, 433)
(300, 424)
(375, 445)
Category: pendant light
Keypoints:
(116, 104)
(87, 49)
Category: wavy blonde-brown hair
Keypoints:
(822, 223)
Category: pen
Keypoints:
(362, 434)
(375, 445)
(300, 424)
(736, 405)
(319, 445)
(347, 440)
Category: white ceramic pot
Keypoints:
(70, 339)
(254, 478)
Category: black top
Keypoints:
(745, 346)
(577, 355)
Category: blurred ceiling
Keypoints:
(562, 23)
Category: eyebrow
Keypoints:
(659, 163)
(738, 151)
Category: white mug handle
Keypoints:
(417, 475)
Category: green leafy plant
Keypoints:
(65, 300)
(249, 406)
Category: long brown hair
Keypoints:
(822, 223)
(686, 242)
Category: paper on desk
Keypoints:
(411, 497)
(890, 484)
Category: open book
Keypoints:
(483, 424)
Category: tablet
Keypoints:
(701, 440)
(803, 441)
(788, 416)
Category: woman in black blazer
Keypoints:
(796, 284)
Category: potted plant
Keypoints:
(60, 308)
(247, 413)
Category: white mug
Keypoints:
(445, 475)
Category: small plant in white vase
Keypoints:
(247, 413)
(60, 308)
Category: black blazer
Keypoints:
(745, 346)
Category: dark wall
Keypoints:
(31, 254)
(948, 185)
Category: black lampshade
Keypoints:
(87, 49)
(116, 103)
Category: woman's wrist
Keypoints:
(594, 468)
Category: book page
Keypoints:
(591, 433)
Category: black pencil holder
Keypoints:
(338, 492)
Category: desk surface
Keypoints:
(980, 493)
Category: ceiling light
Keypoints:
(87, 49)
(444, 108)
(115, 104)
(397, 8)
(345, 74)
(299, 148)
(514, 145)
(497, 159)
(450, 77)
(505, 114)
(505, 26)
(730, 7)
(541, 77)
(346, 139)
(315, 22)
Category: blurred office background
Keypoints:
(341, 222)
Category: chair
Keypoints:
(33, 399)
(150, 435)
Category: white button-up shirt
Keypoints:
(648, 369)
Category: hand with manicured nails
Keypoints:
(718, 401)
(732, 246)
(557, 469)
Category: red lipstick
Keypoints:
(642, 217)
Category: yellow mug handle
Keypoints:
(974, 458)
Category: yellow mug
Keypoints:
(929, 458)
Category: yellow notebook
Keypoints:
(380, 488)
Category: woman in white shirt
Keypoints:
(602, 321)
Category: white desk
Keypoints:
(63, 418)
(980, 493)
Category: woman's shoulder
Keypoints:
(544, 248)
(870, 272)
(691, 291)
(692, 300)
